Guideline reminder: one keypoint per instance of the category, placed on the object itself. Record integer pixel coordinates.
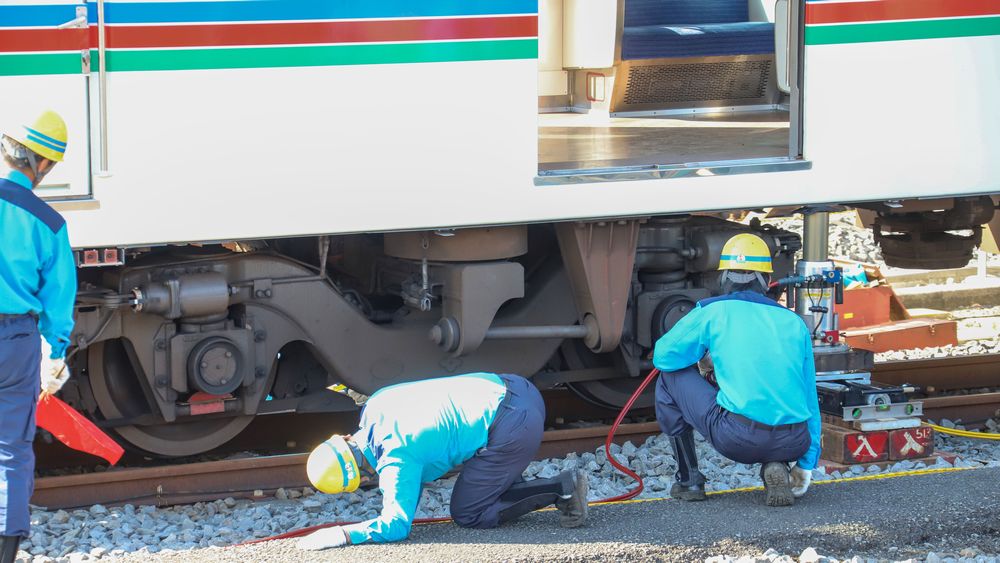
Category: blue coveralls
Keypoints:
(37, 291)
(766, 375)
(413, 433)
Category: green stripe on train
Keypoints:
(22, 64)
(269, 57)
(899, 31)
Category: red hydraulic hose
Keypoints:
(607, 450)
(611, 434)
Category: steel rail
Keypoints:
(259, 477)
(936, 375)
(972, 410)
(252, 477)
(942, 374)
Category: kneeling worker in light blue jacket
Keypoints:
(413, 433)
(763, 407)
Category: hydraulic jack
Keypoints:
(843, 374)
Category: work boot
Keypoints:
(8, 548)
(573, 507)
(525, 505)
(689, 483)
(777, 483)
(528, 496)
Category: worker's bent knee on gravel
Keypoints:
(413, 433)
(758, 403)
(37, 292)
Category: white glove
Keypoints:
(54, 374)
(324, 539)
(801, 478)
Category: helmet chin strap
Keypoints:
(760, 278)
(19, 152)
(742, 277)
(362, 461)
(33, 163)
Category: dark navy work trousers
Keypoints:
(684, 399)
(20, 355)
(514, 438)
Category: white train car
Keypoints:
(272, 195)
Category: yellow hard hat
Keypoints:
(332, 467)
(46, 137)
(746, 252)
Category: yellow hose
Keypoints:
(964, 433)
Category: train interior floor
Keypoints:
(573, 141)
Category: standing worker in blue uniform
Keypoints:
(764, 408)
(413, 433)
(37, 291)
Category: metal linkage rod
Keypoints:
(514, 332)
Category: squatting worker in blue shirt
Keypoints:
(413, 433)
(37, 291)
(765, 407)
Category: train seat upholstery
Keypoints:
(688, 54)
(697, 40)
(656, 29)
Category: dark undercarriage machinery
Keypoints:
(179, 349)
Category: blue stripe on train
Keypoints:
(259, 10)
(283, 10)
(36, 16)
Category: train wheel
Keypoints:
(608, 393)
(119, 394)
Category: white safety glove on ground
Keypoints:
(801, 478)
(54, 372)
(324, 539)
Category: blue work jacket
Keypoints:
(763, 360)
(413, 433)
(37, 269)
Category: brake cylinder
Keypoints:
(187, 296)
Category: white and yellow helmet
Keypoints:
(746, 251)
(332, 467)
(46, 137)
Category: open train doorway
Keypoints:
(627, 85)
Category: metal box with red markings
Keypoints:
(841, 445)
(865, 306)
(904, 334)
(906, 443)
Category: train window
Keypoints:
(627, 84)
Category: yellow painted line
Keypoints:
(911, 473)
(878, 477)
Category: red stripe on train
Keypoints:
(21, 40)
(320, 32)
(882, 10)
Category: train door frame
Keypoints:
(795, 22)
(50, 70)
(793, 160)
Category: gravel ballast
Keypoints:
(99, 532)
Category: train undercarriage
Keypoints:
(181, 347)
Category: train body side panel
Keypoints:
(254, 153)
(899, 98)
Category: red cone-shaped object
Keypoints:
(74, 430)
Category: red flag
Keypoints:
(74, 430)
